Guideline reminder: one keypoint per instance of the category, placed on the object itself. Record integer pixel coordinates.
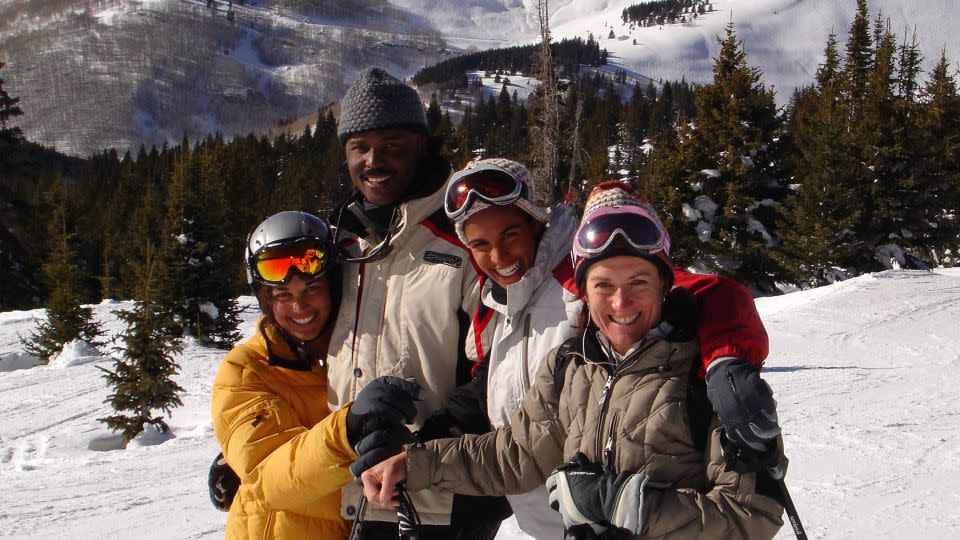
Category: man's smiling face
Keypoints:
(382, 162)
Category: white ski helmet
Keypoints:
(284, 229)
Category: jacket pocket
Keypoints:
(610, 447)
(254, 414)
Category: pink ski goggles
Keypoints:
(637, 227)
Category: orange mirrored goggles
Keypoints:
(275, 264)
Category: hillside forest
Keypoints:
(859, 172)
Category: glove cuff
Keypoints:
(420, 466)
(353, 423)
(628, 512)
(721, 361)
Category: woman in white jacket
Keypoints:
(529, 296)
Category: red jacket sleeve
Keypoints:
(729, 322)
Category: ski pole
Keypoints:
(776, 473)
(408, 521)
(357, 526)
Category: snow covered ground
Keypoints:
(865, 371)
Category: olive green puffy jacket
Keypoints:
(276, 431)
(634, 419)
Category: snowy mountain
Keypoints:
(118, 73)
(865, 373)
(784, 38)
(115, 73)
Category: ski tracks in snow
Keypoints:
(866, 383)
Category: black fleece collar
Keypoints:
(429, 176)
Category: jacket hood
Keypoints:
(553, 249)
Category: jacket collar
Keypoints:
(284, 352)
(422, 199)
(553, 248)
(652, 351)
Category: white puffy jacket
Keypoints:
(540, 314)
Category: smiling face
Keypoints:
(382, 162)
(503, 241)
(301, 307)
(625, 295)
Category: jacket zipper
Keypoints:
(524, 352)
(356, 325)
(254, 418)
(608, 449)
(605, 400)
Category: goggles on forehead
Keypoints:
(274, 264)
(490, 185)
(634, 225)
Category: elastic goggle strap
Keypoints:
(274, 264)
(493, 186)
(640, 230)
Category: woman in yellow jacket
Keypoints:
(270, 414)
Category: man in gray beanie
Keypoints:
(409, 290)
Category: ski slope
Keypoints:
(784, 38)
(865, 372)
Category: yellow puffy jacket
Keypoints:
(271, 417)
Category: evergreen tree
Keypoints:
(817, 234)
(881, 141)
(434, 115)
(725, 170)
(859, 59)
(938, 170)
(908, 68)
(8, 111)
(142, 379)
(197, 277)
(15, 289)
(66, 318)
(219, 313)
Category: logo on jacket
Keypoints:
(432, 257)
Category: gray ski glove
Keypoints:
(585, 495)
(385, 402)
(744, 403)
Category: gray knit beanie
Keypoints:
(529, 204)
(378, 100)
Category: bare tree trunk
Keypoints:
(546, 177)
(573, 197)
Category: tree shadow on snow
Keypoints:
(787, 369)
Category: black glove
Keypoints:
(744, 403)
(386, 401)
(585, 495)
(222, 483)
(682, 310)
(379, 445)
(439, 425)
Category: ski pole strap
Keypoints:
(357, 526)
(777, 474)
(408, 521)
